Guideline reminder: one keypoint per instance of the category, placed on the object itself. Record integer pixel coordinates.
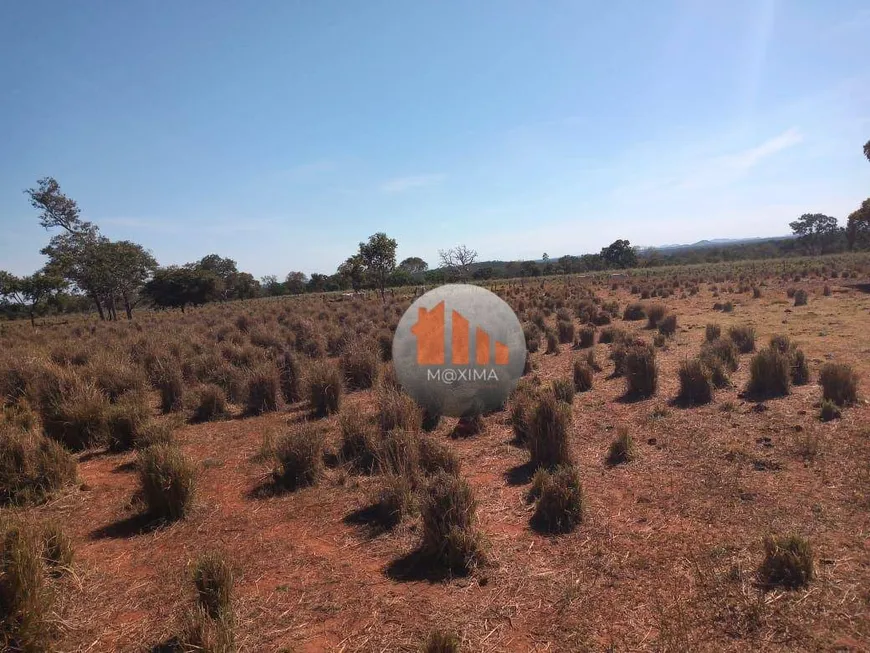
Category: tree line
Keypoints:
(85, 269)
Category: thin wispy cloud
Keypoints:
(751, 157)
(404, 184)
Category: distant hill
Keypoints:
(715, 242)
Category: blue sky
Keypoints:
(281, 133)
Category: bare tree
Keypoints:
(458, 260)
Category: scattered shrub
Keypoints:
(641, 371)
(712, 332)
(654, 315)
(696, 384)
(447, 512)
(360, 366)
(826, 291)
(325, 388)
(564, 390)
(171, 386)
(299, 457)
(396, 410)
(769, 374)
(32, 466)
(743, 337)
(395, 499)
(442, 642)
(57, 548)
(211, 404)
(167, 480)
(263, 388)
(533, 338)
(622, 448)
(839, 383)
(552, 342)
(565, 330)
(548, 429)
(668, 325)
(213, 579)
(359, 444)
(560, 500)
(25, 597)
(788, 562)
(437, 457)
(586, 337)
(634, 312)
(582, 376)
(801, 297)
(829, 411)
(290, 378)
(127, 420)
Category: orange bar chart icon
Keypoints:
(429, 330)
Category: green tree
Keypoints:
(317, 282)
(858, 226)
(413, 265)
(29, 292)
(867, 150)
(271, 286)
(378, 256)
(619, 254)
(295, 283)
(813, 230)
(353, 272)
(176, 287)
(128, 267)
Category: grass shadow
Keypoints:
(123, 468)
(417, 566)
(139, 524)
(370, 520)
(519, 474)
(632, 398)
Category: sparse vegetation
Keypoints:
(839, 383)
(788, 562)
(560, 500)
(299, 457)
(167, 480)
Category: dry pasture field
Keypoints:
(669, 549)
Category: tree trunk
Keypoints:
(99, 306)
(127, 307)
(32, 318)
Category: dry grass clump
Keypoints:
(32, 466)
(395, 499)
(435, 457)
(585, 337)
(788, 562)
(299, 457)
(168, 481)
(801, 297)
(552, 342)
(743, 337)
(549, 425)
(654, 314)
(667, 326)
(128, 419)
(290, 377)
(213, 579)
(712, 332)
(828, 411)
(360, 365)
(634, 312)
(839, 383)
(447, 512)
(560, 500)
(696, 382)
(171, 387)
(564, 390)
(396, 410)
(325, 388)
(359, 442)
(210, 404)
(533, 338)
(440, 641)
(622, 449)
(769, 374)
(26, 598)
(73, 411)
(116, 378)
(565, 331)
(582, 376)
(641, 371)
(263, 389)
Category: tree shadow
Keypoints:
(139, 524)
(419, 566)
(519, 474)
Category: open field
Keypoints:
(668, 551)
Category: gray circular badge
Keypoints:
(459, 350)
